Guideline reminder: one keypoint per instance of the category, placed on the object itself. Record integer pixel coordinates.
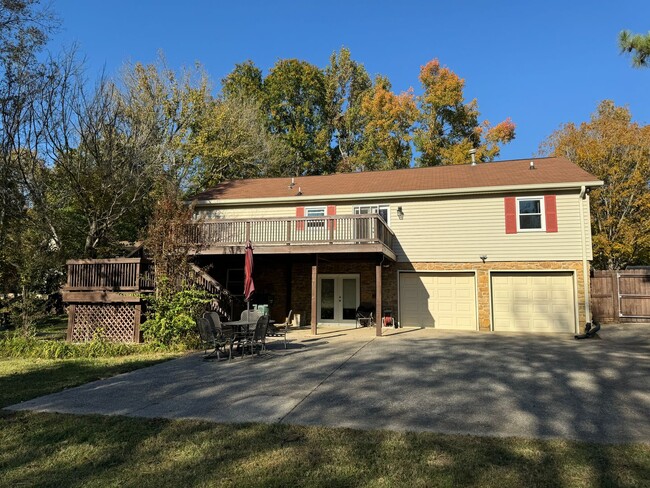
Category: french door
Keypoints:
(338, 298)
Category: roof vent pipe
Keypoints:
(472, 153)
(532, 165)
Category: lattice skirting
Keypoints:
(117, 321)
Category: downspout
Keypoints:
(585, 270)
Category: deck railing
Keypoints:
(339, 229)
(117, 274)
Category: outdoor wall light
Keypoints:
(483, 257)
(400, 213)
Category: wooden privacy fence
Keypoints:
(621, 295)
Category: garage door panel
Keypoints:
(533, 302)
(441, 300)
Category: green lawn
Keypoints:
(66, 450)
(69, 450)
(53, 327)
(22, 379)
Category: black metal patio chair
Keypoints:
(257, 341)
(213, 339)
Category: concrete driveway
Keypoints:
(537, 386)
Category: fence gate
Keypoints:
(621, 295)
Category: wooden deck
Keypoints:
(295, 235)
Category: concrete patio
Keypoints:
(537, 386)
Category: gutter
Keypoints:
(413, 194)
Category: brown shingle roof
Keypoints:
(503, 173)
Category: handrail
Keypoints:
(331, 229)
(115, 274)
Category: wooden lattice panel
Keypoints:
(117, 321)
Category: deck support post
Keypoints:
(314, 290)
(136, 324)
(71, 312)
(378, 311)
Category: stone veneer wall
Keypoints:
(389, 279)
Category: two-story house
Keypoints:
(492, 246)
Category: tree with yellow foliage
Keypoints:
(448, 127)
(616, 150)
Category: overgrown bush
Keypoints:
(171, 320)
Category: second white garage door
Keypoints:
(441, 300)
(529, 302)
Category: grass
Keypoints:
(67, 450)
(52, 327)
(22, 379)
(39, 449)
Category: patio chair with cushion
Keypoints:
(213, 339)
(280, 330)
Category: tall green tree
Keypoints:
(27, 80)
(638, 45)
(294, 101)
(230, 141)
(617, 150)
(245, 81)
(166, 107)
(448, 126)
(346, 82)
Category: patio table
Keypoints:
(241, 328)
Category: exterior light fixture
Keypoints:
(483, 257)
(400, 213)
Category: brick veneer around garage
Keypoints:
(390, 285)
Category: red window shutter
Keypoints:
(550, 209)
(510, 204)
(300, 212)
(331, 210)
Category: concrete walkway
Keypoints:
(537, 386)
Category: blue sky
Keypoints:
(541, 63)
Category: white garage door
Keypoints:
(529, 302)
(441, 300)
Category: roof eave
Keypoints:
(400, 194)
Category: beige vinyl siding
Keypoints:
(261, 211)
(456, 228)
(252, 212)
(462, 229)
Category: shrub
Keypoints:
(172, 318)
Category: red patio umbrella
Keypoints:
(249, 286)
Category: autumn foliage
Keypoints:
(617, 151)
(336, 119)
(448, 126)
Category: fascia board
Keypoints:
(307, 199)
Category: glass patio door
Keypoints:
(338, 298)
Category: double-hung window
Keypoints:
(530, 214)
(382, 210)
(315, 212)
